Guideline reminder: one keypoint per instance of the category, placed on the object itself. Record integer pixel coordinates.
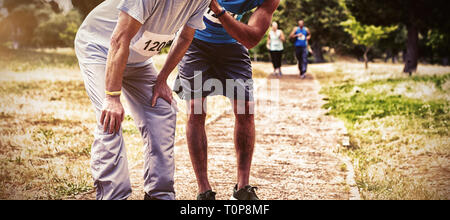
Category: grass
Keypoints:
(26, 60)
(399, 128)
(45, 139)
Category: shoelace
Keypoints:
(252, 189)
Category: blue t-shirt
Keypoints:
(301, 41)
(215, 32)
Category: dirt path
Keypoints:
(296, 150)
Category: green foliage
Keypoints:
(85, 6)
(38, 24)
(417, 15)
(439, 41)
(322, 17)
(422, 13)
(366, 35)
(58, 31)
(20, 23)
(395, 41)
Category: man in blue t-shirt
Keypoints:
(218, 63)
(302, 35)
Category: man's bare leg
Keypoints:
(244, 140)
(198, 142)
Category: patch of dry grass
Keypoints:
(399, 127)
(47, 122)
(27, 60)
(44, 139)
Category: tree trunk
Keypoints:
(331, 53)
(445, 61)
(366, 58)
(318, 53)
(388, 55)
(412, 50)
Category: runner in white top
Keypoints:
(114, 46)
(275, 45)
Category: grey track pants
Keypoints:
(157, 126)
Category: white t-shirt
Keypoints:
(160, 19)
(276, 44)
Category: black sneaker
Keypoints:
(246, 193)
(147, 197)
(208, 195)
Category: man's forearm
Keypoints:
(248, 34)
(116, 64)
(175, 55)
(245, 34)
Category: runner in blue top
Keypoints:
(302, 35)
(215, 32)
(218, 63)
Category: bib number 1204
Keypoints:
(151, 44)
(155, 46)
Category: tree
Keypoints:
(86, 6)
(366, 35)
(393, 44)
(20, 24)
(38, 23)
(322, 17)
(10, 5)
(416, 15)
(440, 44)
(58, 30)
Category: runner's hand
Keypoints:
(215, 7)
(112, 114)
(161, 90)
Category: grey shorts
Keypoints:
(210, 69)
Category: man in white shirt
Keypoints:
(114, 46)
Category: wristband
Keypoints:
(117, 93)
(221, 13)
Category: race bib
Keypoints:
(151, 44)
(301, 37)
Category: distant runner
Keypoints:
(275, 45)
(218, 63)
(302, 35)
(114, 46)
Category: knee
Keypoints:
(243, 109)
(196, 111)
(245, 119)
